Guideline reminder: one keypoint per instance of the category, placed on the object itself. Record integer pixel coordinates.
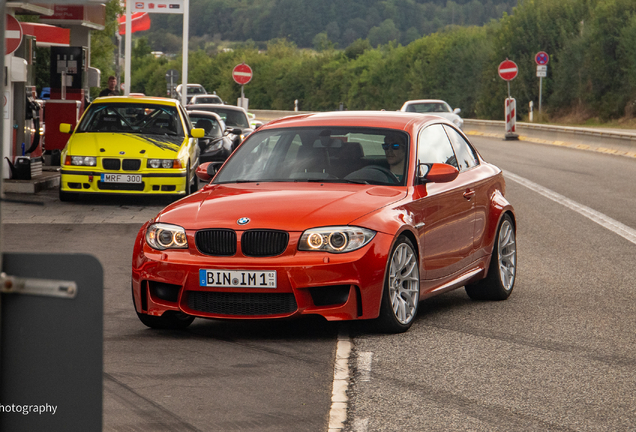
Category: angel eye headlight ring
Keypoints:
(163, 236)
(336, 239)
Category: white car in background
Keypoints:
(434, 106)
(193, 89)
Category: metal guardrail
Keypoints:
(593, 139)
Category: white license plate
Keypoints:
(237, 278)
(121, 178)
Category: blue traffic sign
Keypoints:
(542, 58)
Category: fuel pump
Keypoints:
(69, 86)
(27, 139)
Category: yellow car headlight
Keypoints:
(164, 163)
(81, 160)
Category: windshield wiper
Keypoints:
(331, 181)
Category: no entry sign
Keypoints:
(12, 35)
(508, 70)
(242, 74)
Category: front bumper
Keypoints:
(89, 181)
(336, 286)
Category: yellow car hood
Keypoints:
(104, 144)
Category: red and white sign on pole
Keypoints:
(508, 70)
(12, 35)
(242, 74)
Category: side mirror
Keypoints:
(197, 132)
(437, 173)
(206, 171)
(457, 111)
(235, 131)
(65, 128)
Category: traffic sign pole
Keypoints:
(540, 93)
(541, 58)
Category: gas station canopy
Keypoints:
(47, 35)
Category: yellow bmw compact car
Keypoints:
(125, 145)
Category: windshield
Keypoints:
(325, 154)
(139, 118)
(206, 99)
(211, 127)
(196, 89)
(232, 118)
(429, 107)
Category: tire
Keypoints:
(195, 184)
(171, 320)
(192, 182)
(401, 293)
(68, 196)
(502, 271)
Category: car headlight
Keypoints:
(337, 239)
(81, 160)
(164, 163)
(163, 236)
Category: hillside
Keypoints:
(316, 24)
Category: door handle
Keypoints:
(469, 194)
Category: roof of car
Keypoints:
(204, 114)
(190, 107)
(425, 101)
(386, 119)
(136, 99)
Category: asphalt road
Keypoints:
(558, 355)
(216, 375)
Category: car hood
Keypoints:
(284, 206)
(106, 144)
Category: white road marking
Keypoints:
(601, 219)
(339, 399)
(364, 366)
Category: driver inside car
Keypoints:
(395, 151)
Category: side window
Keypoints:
(466, 157)
(433, 146)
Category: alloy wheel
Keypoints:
(404, 283)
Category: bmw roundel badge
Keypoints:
(243, 221)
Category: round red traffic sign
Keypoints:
(542, 58)
(12, 35)
(508, 70)
(242, 74)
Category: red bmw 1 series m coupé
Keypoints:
(347, 215)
